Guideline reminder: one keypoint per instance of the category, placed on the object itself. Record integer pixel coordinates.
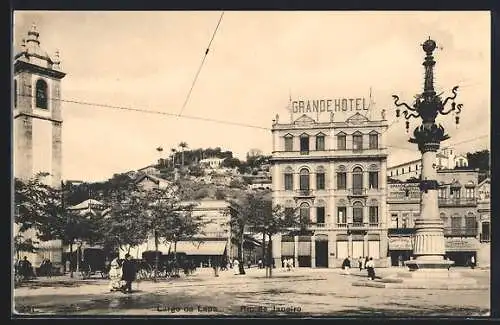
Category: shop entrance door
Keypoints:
(322, 254)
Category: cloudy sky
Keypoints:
(148, 60)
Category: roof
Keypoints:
(405, 164)
(156, 180)
(150, 166)
(87, 204)
(486, 180)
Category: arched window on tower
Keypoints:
(41, 94)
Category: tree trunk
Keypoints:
(176, 269)
(270, 256)
(70, 258)
(157, 257)
(264, 253)
(182, 157)
(241, 266)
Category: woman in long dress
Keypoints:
(115, 275)
(236, 267)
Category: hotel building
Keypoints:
(334, 173)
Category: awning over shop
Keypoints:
(400, 243)
(200, 248)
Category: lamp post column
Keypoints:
(429, 242)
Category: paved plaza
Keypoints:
(301, 292)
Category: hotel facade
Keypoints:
(335, 174)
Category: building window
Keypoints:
(357, 141)
(288, 181)
(394, 220)
(357, 180)
(373, 179)
(456, 225)
(320, 215)
(485, 231)
(444, 219)
(41, 94)
(373, 215)
(15, 93)
(304, 213)
(469, 193)
(341, 215)
(442, 193)
(320, 180)
(470, 224)
(373, 140)
(320, 142)
(288, 143)
(455, 193)
(304, 144)
(341, 181)
(357, 213)
(341, 141)
(304, 179)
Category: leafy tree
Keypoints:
(231, 163)
(242, 212)
(479, 160)
(270, 220)
(124, 225)
(169, 219)
(34, 201)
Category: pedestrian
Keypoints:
(288, 264)
(128, 273)
(472, 262)
(366, 261)
(236, 265)
(25, 268)
(115, 275)
(346, 265)
(249, 263)
(360, 263)
(215, 266)
(370, 266)
(259, 263)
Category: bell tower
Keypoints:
(37, 114)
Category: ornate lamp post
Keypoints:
(429, 242)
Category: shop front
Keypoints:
(400, 250)
(461, 250)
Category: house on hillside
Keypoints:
(149, 170)
(147, 182)
(89, 206)
(212, 163)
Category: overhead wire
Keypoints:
(140, 110)
(201, 65)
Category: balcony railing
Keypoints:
(318, 225)
(304, 193)
(457, 202)
(357, 192)
(462, 231)
(362, 225)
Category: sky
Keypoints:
(256, 63)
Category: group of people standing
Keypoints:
(363, 263)
(121, 274)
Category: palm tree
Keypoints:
(183, 146)
(173, 150)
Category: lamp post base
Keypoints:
(429, 264)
